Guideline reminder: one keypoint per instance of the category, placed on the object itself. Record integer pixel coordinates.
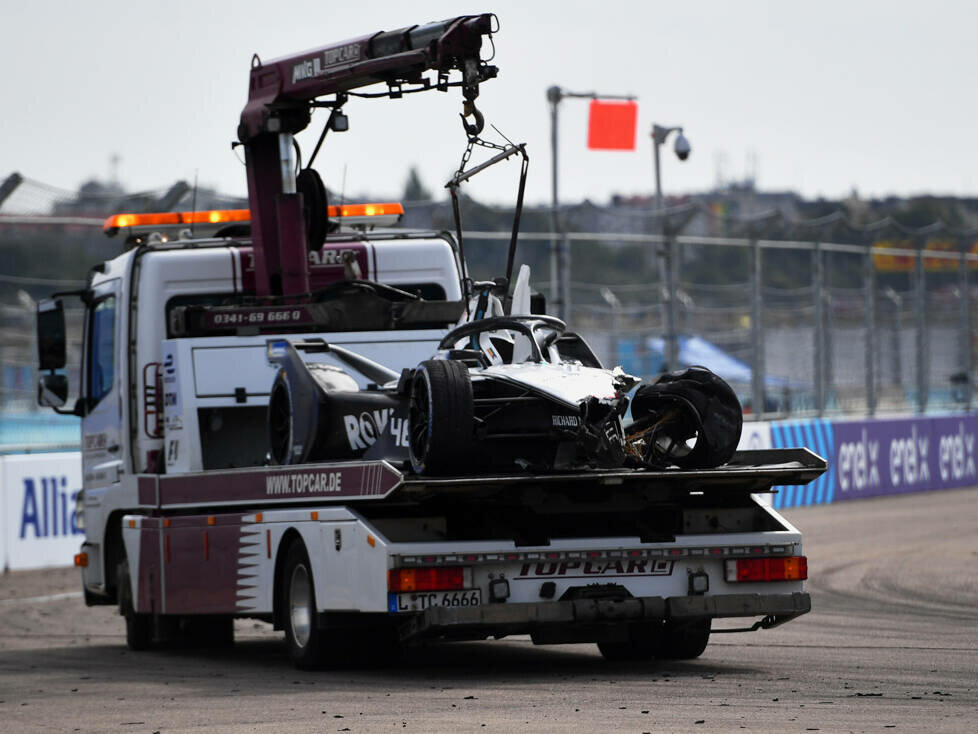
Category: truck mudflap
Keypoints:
(529, 618)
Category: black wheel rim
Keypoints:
(279, 424)
(419, 416)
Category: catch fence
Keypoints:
(797, 327)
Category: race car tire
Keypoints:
(710, 410)
(441, 418)
(139, 627)
(683, 640)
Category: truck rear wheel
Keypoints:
(642, 643)
(310, 646)
(299, 610)
(684, 640)
(139, 627)
(441, 418)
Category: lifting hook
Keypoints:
(469, 110)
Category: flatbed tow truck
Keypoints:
(188, 523)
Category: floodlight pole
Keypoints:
(557, 274)
(559, 244)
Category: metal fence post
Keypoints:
(869, 292)
(818, 292)
(671, 337)
(756, 328)
(615, 338)
(828, 345)
(965, 338)
(920, 320)
(565, 277)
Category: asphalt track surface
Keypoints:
(892, 645)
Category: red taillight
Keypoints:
(428, 579)
(794, 568)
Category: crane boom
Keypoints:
(280, 100)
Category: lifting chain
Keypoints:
(472, 133)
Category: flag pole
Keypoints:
(559, 245)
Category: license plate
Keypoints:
(420, 600)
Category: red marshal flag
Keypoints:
(611, 125)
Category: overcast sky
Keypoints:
(818, 97)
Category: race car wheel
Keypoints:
(139, 627)
(441, 419)
(691, 403)
(684, 640)
(280, 421)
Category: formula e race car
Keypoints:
(503, 393)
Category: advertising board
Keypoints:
(38, 524)
(899, 455)
(881, 456)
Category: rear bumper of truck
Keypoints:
(547, 620)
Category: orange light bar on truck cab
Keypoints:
(213, 216)
(390, 211)
(429, 579)
(794, 568)
(365, 210)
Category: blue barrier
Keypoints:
(38, 429)
(818, 436)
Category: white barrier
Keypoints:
(38, 525)
(756, 435)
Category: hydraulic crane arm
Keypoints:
(280, 100)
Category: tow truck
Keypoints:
(190, 524)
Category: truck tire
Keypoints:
(684, 640)
(641, 645)
(302, 634)
(310, 646)
(139, 627)
(441, 418)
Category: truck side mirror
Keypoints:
(52, 390)
(51, 334)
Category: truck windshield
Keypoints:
(101, 373)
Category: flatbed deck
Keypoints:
(342, 482)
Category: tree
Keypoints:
(414, 190)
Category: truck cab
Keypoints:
(159, 396)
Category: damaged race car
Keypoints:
(504, 393)
(507, 391)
